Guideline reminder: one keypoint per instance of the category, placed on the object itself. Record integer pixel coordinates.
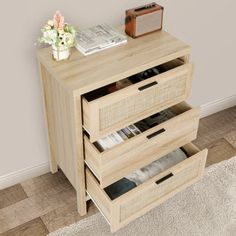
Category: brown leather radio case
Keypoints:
(144, 19)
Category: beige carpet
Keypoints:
(206, 209)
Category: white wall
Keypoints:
(209, 27)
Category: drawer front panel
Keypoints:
(113, 164)
(145, 99)
(159, 190)
(98, 196)
(150, 194)
(121, 108)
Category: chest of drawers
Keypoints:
(79, 113)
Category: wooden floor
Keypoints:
(46, 203)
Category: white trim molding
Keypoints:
(22, 175)
(218, 105)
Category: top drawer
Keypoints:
(105, 112)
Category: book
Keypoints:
(109, 141)
(127, 132)
(98, 38)
(142, 125)
(103, 143)
(134, 129)
(122, 135)
(159, 117)
(116, 138)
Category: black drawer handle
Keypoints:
(164, 178)
(147, 86)
(156, 133)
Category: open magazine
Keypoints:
(98, 38)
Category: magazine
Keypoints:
(98, 38)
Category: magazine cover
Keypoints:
(98, 38)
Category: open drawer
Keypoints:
(108, 112)
(149, 194)
(112, 164)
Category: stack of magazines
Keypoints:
(98, 38)
(132, 130)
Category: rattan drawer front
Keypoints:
(148, 195)
(111, 165)
(121, 108)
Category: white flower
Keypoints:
(61, 36)
(47, 27)
(50, 36)
(69, 39)
(50, 22)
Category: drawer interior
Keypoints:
(123, 135)
(142, 175)
(157, 168)
(121, 84)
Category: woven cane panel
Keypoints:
(155, 192)
(133, 105)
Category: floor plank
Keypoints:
(34, 227)
(65, 215)
(219, 150)
(47, 184)
(231, 137)
(215, 126)
(33, 207)
(11, 195)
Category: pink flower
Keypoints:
(58, 21)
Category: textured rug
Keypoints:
(207, 208)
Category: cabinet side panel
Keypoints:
(64, 121)
(49, 117)
(58, 113)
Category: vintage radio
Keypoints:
(144, 19)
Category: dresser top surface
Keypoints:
(85, 73)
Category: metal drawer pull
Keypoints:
(156, 133)
(164, 178)
(147, 86)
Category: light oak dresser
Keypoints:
(75, 123)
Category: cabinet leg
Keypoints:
(53, 168)
(53, 164)
(81, 204)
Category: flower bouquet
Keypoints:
(59, 35)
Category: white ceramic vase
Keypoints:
(60, 53)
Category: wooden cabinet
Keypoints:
(79, 113)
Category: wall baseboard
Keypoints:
(27, 173)
(22, 175)
(218, 105)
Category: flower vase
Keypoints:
(60, 53)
